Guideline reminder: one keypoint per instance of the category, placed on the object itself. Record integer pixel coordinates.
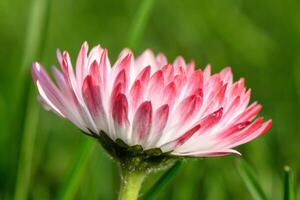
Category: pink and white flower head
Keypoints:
(149, 102)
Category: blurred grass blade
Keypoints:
(164, 180)
(36, 32)
(70, 186)
(289, 187)
(72, 181)
(38, 16)
(248, 176)
(27, 149)
(139, 23)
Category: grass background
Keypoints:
(258, 38)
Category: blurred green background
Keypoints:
(260, 39)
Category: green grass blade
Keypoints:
(164, 180)
(72, 181)
(27, 149)
(35, 36)
(289, 185)
(34, 41)
(139, 23)
(248, 176)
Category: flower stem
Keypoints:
(131, 182)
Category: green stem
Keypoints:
(131, 182)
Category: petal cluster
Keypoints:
(149, 102)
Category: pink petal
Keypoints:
(81, 63)
(209, 153)
(211, 119)
(156, 85)
(123, 63)
(170, 93)
(160, 118)
(146, 59)
(92, 97)
(135, 94)
(191, 68)
(120, 110)
(187, 135)
(116, 91)
(94, 72)
(207, 73)
(181, 140)
(194, 83)
(47, 89)
(168, 71)
(248, 135)
(161, 60)
(226, 75)
(121, 79)
(142, 122)
(187, 108)
(179, 62)
(233, 129)
(250, 112)
(69, 75)
(104, 67)
(144, 75)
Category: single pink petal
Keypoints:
(168, 71)
(92, 96)
(191, 68)
(122, 79)
(211, 119)
(181, 140)
(123, 63)
(120, 110)
(95, 72)
(59, 56)
(179, 62)
(81, 63)
(209, 153)
(160, 118)
(170, 93)
(195, 82)
(94, 55)
(161, 60)
(180, 81)
(104, 67)
(135, 94)
(220, 153)
(187, 135)
(116, 91)
(146, 59)
(187, 108)
(226, 75)
(156, 81)
(142, 122)
(207, 73)
(144, 75)
(156, 85)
